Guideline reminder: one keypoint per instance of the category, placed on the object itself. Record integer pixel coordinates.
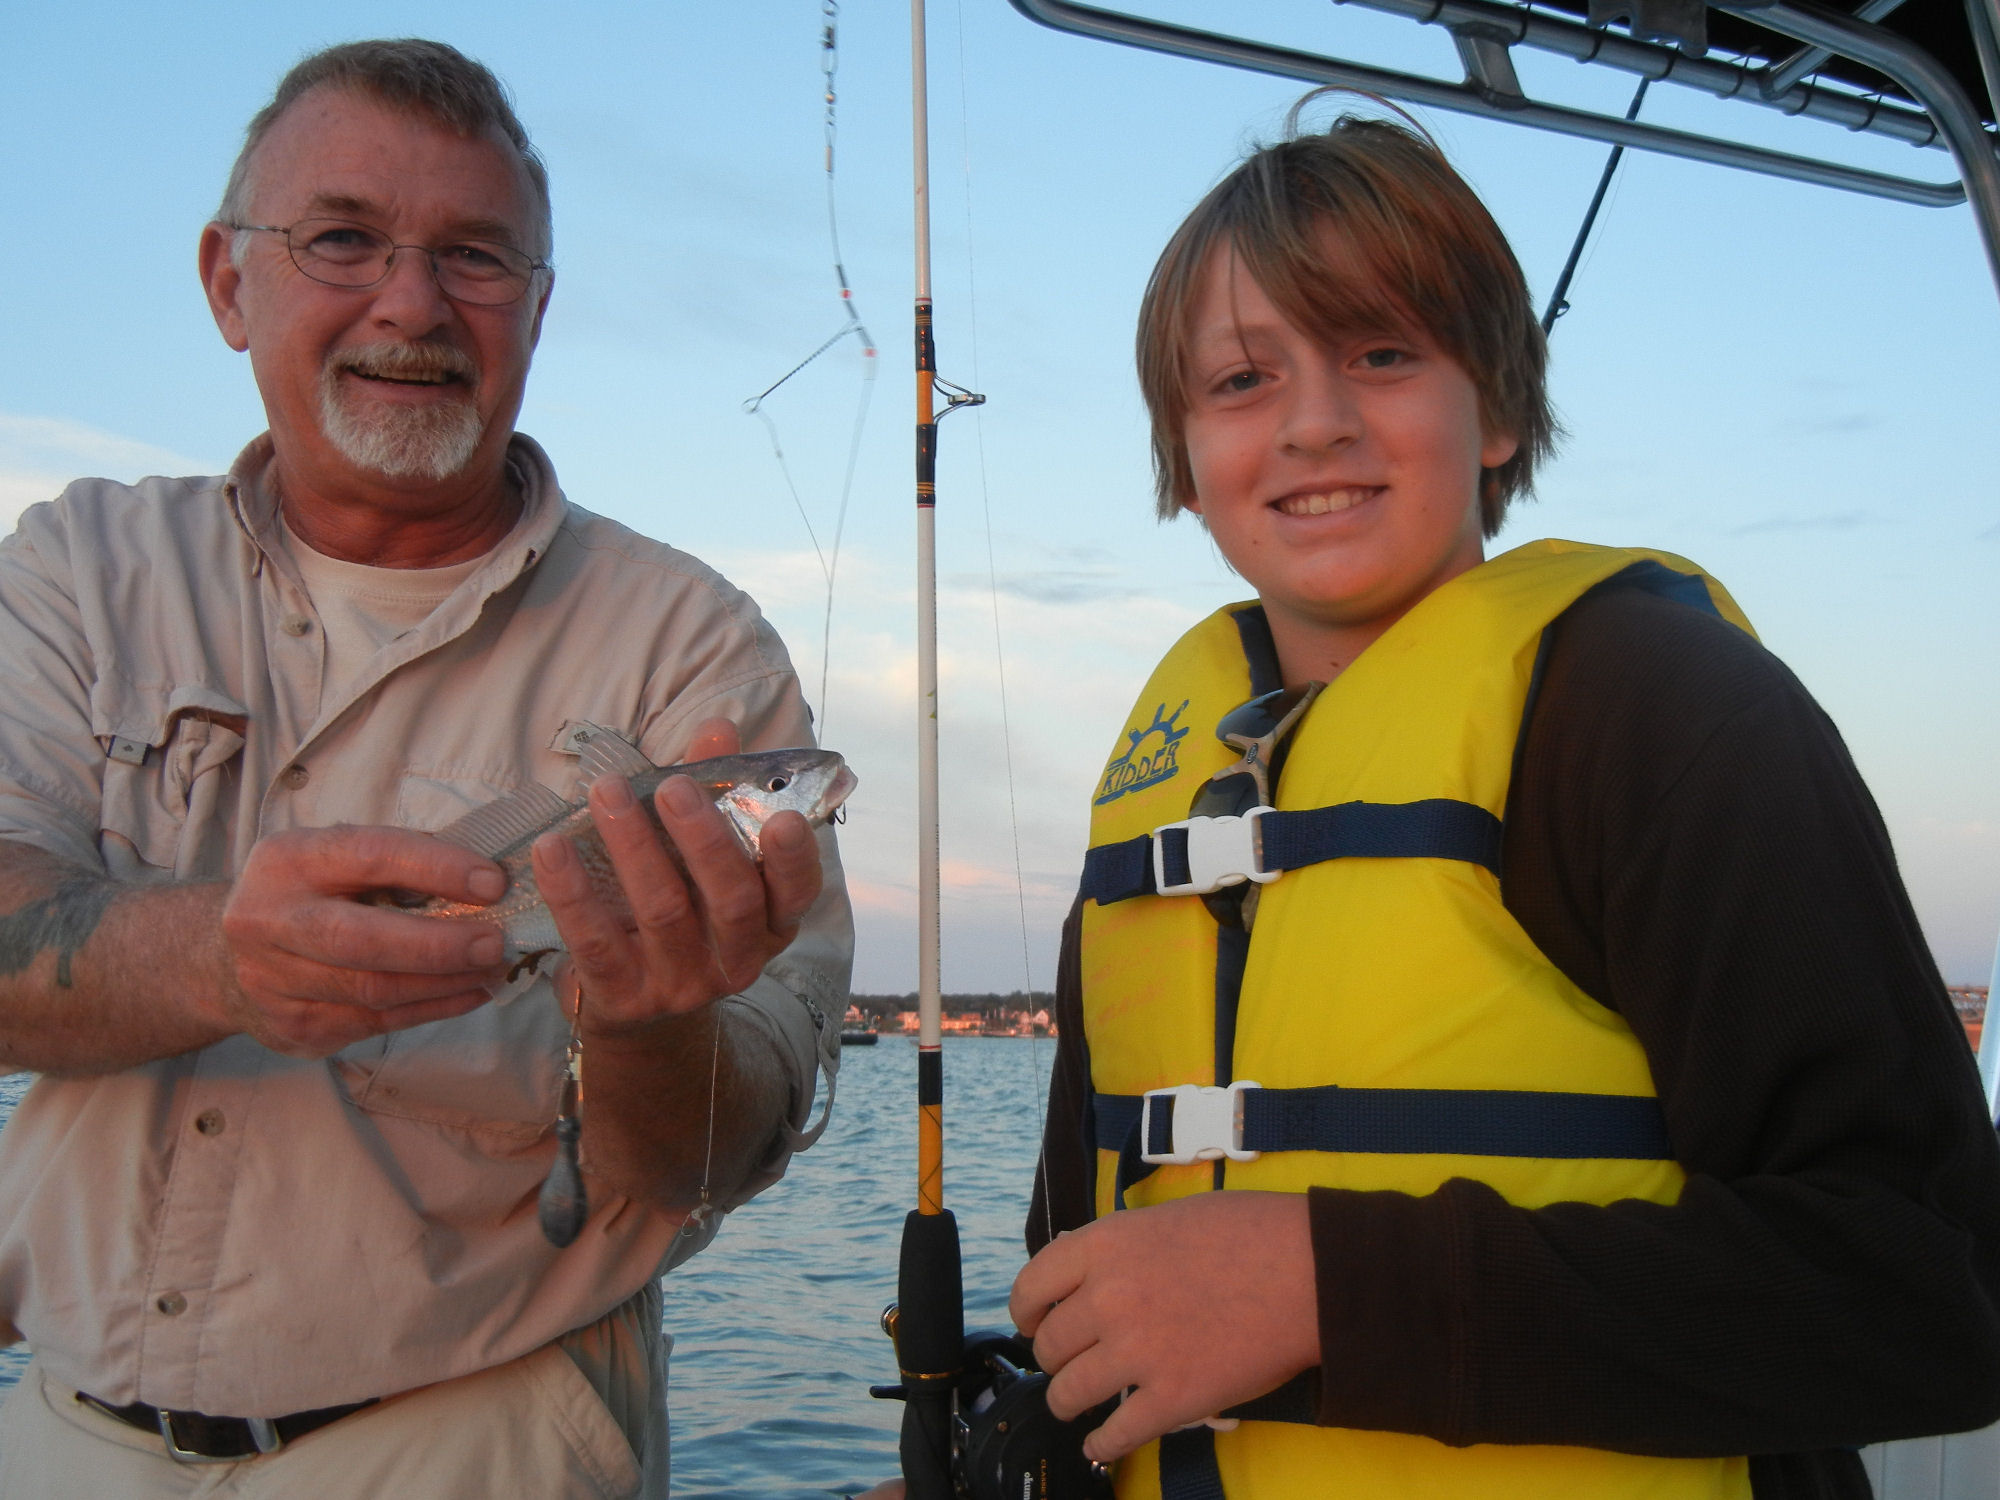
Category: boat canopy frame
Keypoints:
(1811, 74)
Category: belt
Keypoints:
(194, 1437)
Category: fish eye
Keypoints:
(777, 783)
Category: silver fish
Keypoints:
(748, 789)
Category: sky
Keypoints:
(1794, 386)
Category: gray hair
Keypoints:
(418, 77)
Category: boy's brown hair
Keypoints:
(1363, 227)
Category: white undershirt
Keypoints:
(363, 608)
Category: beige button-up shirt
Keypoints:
(238, 1232)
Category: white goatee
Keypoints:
(401, 442)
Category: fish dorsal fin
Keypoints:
(497, 827)
(606, 752)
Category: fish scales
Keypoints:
(748, 789)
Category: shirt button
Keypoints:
(295, 625)
(295, 777)
(173, 1304)
(209, 1122)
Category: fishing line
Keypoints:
(1559, 298)
(829, 559)
(700, 1213)
(993, 594)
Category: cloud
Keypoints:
(968, 877)
(40, 455)
(1833, 424)
(1050, 586)
(1843, 520)
(880, 897)
(1086, 556)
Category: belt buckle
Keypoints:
(263, 1434)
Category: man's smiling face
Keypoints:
(394, 387)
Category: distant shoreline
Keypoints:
(1019, 1013)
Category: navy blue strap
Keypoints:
(1401, 1122)
(1132, 1167)
(1456, 1122)
(1260, 651)
(1655, 577)
(1116, 1117)
(1437, 828)
(1297, 1400)
(1174, 856)
(1117, 872)
(1188, 1470)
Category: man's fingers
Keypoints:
(713, 737)
(348, 861)
(661, 904)
(335, 932)
(316, 1029)
(423, 1012)
(729, 884)
(792, 874)
(600, 949)
(308, 982)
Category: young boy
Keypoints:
(1600, 1124)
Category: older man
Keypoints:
(273, 1200)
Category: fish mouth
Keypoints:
(838, 790)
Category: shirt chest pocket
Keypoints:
(173, 773)
(494, 1074)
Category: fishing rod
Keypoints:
(927, 1320)
(976, 1422)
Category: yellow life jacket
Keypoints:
(1382, 962)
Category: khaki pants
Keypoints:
(526, 1430)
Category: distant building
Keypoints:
(1969, 1000)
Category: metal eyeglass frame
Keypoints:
(430, 253)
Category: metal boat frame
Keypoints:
(1944, 115)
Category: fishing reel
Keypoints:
(1005, 1442)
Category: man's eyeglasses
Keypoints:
(339, 252)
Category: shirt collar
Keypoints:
(254, 504)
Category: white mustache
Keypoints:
(397, 361)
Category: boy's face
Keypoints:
(1341, 480)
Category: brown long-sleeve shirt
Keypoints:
(1688, 840)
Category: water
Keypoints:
(776, 1328)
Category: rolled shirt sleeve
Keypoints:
(50, 764)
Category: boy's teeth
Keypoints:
(1322, 504)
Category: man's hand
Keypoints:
(691, 940)
(1191, 1306)
(317, 971)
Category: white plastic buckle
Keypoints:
(1220, 851)
(1208, 1123)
